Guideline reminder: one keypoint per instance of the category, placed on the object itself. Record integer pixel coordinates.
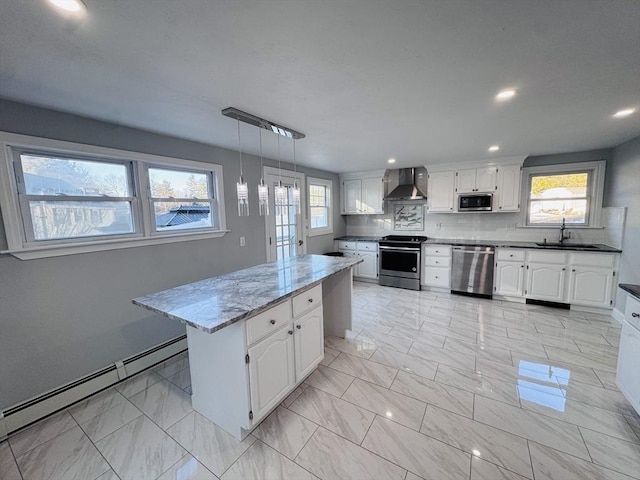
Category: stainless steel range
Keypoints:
(400, 261)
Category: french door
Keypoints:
(285, 231)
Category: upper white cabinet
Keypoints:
(362, 193)
(509, 181)
(440, 195)
(481, 179)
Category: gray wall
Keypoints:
(622, 190)
(64, 317)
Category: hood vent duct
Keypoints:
(412, 184)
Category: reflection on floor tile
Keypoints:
(613, 453)
(108, 421)
(41, 432)
(187, 468)
(483, 470)
(285, 431)
(330, 456)
(140, 382)
(70, 455)
(261, 462)
(329, 380)
(406, 363)
(163, 402)
(365, 369)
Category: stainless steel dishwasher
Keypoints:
(472, 270)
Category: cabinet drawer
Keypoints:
(267, 322)
(346, 245)
(367, 247)
(510, 254)
(437, 250)
(305, 301)
(437, 261)
(632, 306)
(547, 257)
(592, 259)
(437, 277)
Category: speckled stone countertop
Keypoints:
(506, 244)
(214, 303)
(631, 288)
(356, 238)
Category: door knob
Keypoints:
(300, 242)
(290, 332)
(272, 322)
(298, 327)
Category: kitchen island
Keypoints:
(255, 334)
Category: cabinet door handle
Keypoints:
(310, 300)
(635, 315)
(290, 332)
(272, 322)
(298, 326)
(573, 269)
(563, 269)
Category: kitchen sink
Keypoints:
(568, 246)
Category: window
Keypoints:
(59, 198)
(570, 192)
(320, 211)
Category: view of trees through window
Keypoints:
(319, 206)
(49, 182)
(554, 197)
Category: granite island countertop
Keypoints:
(214, 303)
(631, 289)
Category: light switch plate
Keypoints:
(242, 242)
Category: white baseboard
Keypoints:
(36, 408)
(617, 315)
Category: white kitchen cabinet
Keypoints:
(437, 266)
(590, 286)
(627, 376)
(369, 267)
(309, 342)
(271, 371)
(351, 194)
(362, 193)
(546, 281)
(509, 183)
(472, 180)
(509, 279)
(440, 192)
(368, 251)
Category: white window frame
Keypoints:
(595, 191)
(323, 182)
(23, 247)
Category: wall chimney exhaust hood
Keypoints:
(412, 183)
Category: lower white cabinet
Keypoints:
(509, 279)
(590, 286)
(308, 342)
(368, 251)
(437, 266)
(369, 266)
(627, 376)
(545, 281)
(271, 371)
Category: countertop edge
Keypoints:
(631, 289)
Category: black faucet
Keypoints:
(563, 237)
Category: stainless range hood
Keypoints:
(412, 183)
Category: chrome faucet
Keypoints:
(563, 237)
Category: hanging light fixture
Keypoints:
(296, 189)
(241, 186)
(280, 192)
(263, 188)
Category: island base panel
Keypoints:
(337, 291)
(219, 378)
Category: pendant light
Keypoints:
(296, 188)
(263, 188)
(280, 192)
(241, 186)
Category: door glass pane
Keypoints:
(286, 228)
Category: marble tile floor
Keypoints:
(426, 386)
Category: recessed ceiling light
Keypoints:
(624, 113)
(494, 148)
(506, 94)
(392, 160)
(69, 5)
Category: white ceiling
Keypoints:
(365, 80)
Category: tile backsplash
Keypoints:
(491, 226)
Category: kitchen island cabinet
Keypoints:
(255, 334)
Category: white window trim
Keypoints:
(314, 232)
(12, 218)
(594, 217)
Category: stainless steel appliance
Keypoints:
(400, 261)
(472, 270)
(478, 202)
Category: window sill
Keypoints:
(32, 253)
(318, 232)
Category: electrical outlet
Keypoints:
(242, 242)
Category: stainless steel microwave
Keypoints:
(478, 202)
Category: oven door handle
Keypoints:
(417, 250)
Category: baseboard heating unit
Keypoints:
(36, 408)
